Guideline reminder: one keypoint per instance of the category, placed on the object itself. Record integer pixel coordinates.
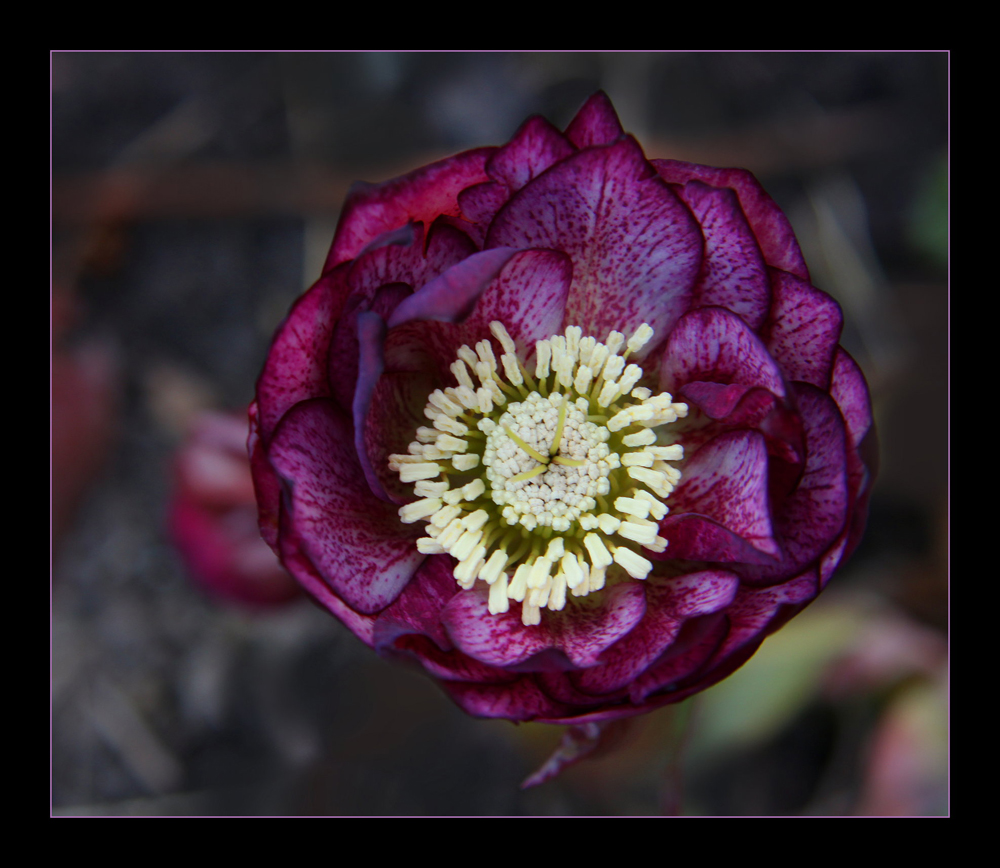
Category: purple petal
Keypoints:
(733, 273)
(298, 563)
(694, 537)
(420, 196)
(802, 329)
(417, 610)
(715, 345)
(635, 247)
(669, 603)
(371, 335)
(295, 369)
(770, 226)
(812, 516)
(521, 700)
(697, 641)
(528, 296)
(379, 279)
(480, 203)
(355, 541)
(266, 485)
(535, 147)
(595, 124)
(727, 481)
(849, 389)
(451, 296)
(581, 633)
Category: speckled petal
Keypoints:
(355, 541)
(295, 369)
(849, 389)
(814, 513)
(595, 124)
(480, 203)
(423, 195)
(727, 481)
(520, 700)
(417, 610)
(580, 633)
(715, 345)
(770, 225)
(451, 296)
(733, 273)
(298, 563)
(528, 296)
(670, 602)
(697, 641)
(694, 537)
(635, 247)
(802, 329)
(535, 147)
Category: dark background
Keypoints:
(194, 196)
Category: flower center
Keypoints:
(539, 485)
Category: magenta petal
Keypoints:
(727, 481)
(451, 296)
(528, 296)
(813, 515)
(595, 124)
(769, 224)
(420, 196)
(733, 273)
(417, 610)
(580, 633)
(295, 369)
(635, 247)
(670, 603)
(535, 147)
(298, 563)
(715, 345)
(693, 537)
(266, 484)
(356, 542)
(802, 329)
(849, 389)
(480, 203)
(371, 335)
(697, 641)
(520, 700)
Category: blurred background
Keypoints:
(194, 196)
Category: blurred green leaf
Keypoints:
(758, 700)
(929, 215)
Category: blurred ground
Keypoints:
(194, 197)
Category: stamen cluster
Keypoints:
(538, 483)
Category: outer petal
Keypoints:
(715, 345)
(535, 147)
(295, 369)
(266, 484)
(356, 542)
(423, 195)
(580, 633)
(595, 124)
(670, 603)
(298, 563)
(770, 225)
(417, 610)
(635, 247)
(814, 513)
(727, 481)
(849, 389)
(733, 273)
(802, 329)
(521, 700)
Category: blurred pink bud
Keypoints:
(213, 517)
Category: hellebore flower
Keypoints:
(567, 426)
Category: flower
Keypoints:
(567, 426)
(213, 517)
